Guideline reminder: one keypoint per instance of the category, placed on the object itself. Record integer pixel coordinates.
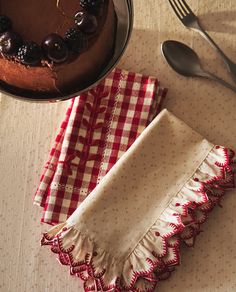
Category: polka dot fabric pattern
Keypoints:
(173, 210)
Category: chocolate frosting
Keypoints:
(34, 20)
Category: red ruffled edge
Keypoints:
(187, 227)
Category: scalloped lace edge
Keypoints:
(160, 247)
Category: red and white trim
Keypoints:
(156, 255)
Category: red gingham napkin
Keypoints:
(99, 127)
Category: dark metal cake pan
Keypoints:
(124, 12)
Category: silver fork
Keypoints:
(190, 20)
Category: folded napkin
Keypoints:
(127, 233)
(99, 127)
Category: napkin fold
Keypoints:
(126, 235)
(99, 127)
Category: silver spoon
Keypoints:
(185, 61)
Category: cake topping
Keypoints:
(86, 22)
(10, 42)
(55, 48)
(88, 54)
(75, 40)
(91, 4)
(5, 23)
(30, 53)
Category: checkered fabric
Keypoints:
(99, 127)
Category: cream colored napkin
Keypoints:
(126, 235)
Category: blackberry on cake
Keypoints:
(30, 53)
(75, 40)
(91, 4)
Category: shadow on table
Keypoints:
(144, 52)
(221, 21)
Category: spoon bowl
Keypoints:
(181, 58)
(186, 62)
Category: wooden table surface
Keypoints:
(27, 131)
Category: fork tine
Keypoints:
(184, 10)
(187, 7)
(176, 9)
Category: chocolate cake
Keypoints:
(53, 46)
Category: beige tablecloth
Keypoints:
(207, 107)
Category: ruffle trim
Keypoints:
(156, 255)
